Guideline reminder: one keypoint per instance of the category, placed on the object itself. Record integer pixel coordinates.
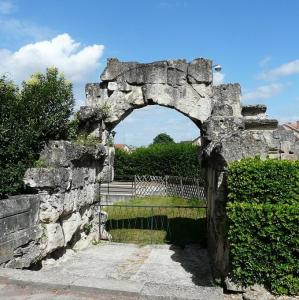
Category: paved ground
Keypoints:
(117, 271)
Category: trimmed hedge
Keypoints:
(263, 214)
(254, 180)
(264, 245)
(160, 159)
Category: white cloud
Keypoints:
(6, 7)
(62, 52)
(13, 29)
(264, 92)
(287, 69)
(264, 62)
(218, 78)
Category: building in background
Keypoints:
(123, 147)
(293, 127)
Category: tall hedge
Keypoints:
(263, 213)
(159, 159)
(264, 181)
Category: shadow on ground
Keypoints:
(194, 259)
(178, 230)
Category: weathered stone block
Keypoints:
(54, 235)
(51, 207)
(175, 77)
(115, 68)
(48, 178)
(70, 198)
(64, 154)
(228, 95)
(261, 124)
(254, 110)
(200, 71)
(70, 225)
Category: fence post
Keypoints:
(100, 225)
(182, 187)
(134, 188)
(152, 224)
(166, 185)
(198, 192)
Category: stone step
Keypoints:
(261, 124)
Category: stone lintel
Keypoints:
(261, 124)
(253, 110)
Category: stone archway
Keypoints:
(229, 130)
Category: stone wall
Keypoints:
(229, 130)
(63, 214)
(67, 183)
(19, 228)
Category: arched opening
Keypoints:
(162, 177)
(141, 126)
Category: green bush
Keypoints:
(29, 118)
(264, 181)
(159, 160)
(264, 245)
(163, 138)
(263, 215)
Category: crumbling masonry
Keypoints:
(68, 186)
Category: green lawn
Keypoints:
(157, 225)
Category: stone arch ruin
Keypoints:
(66, 188)
(229, 131)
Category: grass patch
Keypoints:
(162, 201)
(167, 223)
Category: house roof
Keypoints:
(120, 146)
(293, 126)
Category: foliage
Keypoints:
(47, 103)
(87, 228)
(160, 160)
(28, 118)
(264, 245)
(73, 129)
(264, 181)
(104, 109)
(40, 163)
(263, 213)
(85, 140)
(163, 138)
(110, 141)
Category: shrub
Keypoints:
(29, 118)
(159, 160)
(270, 181)
(263, 215)
(264, 245)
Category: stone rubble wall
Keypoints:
(63, 214)
(229, 131)
(68, 187)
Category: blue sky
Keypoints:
(256, 42)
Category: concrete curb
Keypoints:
(76, 288)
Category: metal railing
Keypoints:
(154, 224)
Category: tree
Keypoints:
(29, 118)
(49, 101)
(163, 138)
